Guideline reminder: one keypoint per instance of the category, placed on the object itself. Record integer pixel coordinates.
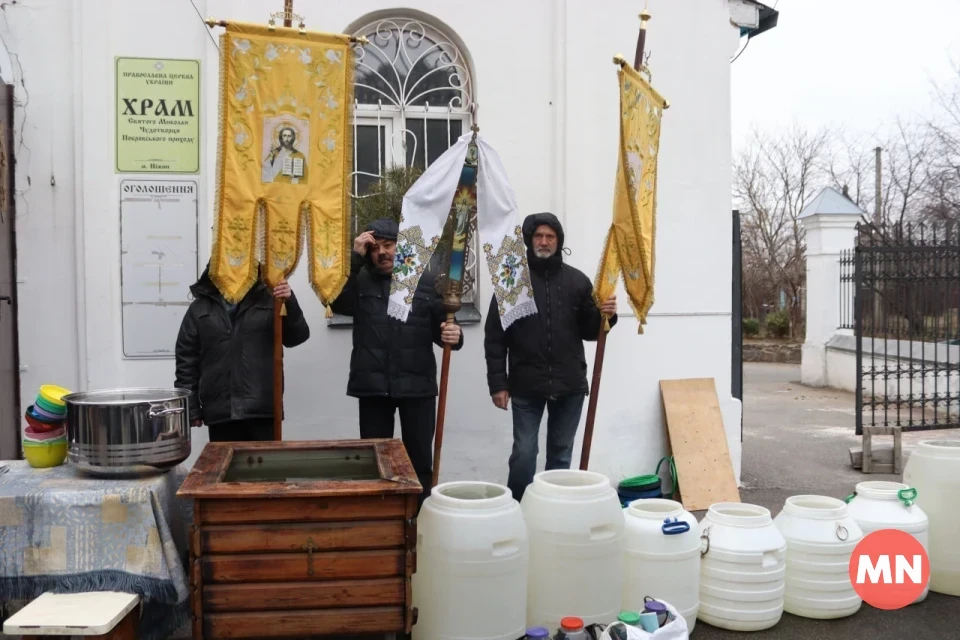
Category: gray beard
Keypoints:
(543, 253)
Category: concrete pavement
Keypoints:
(795, 441)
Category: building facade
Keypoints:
(538, 78)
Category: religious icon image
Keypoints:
(286, 148)
(473, 154)
(464, 205)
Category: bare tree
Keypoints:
(851, 168)
(777, 173)
(943, 180)
(906, 171)
(774, 177)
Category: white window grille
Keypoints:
(413, 97)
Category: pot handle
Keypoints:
(157, 411)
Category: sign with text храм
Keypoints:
(889, 569)
(158, 115)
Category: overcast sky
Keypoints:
(857, 63)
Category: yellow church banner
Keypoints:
(283, 158)
(630, 246)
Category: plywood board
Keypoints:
(698, 443)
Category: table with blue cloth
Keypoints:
(66, 532)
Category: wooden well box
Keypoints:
(302, 539)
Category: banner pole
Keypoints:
(605, 325)
(278, 313)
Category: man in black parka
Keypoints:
(393, 367)
(547, 366)
(225, 356)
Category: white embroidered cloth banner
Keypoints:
(426, 207)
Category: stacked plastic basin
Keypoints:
(639, 488)
(576, 528)
(44, 437)
(933, 469)
(821, 536)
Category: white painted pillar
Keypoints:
(827, 234)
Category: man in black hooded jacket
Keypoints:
(547, 365)
(393, 367)
(225, 356)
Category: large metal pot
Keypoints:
(128, 431)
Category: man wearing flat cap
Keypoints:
(393, 367)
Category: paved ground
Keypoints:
(795, 441)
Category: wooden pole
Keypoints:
(594, 394)
(605, 325)
(641, 40)
(454, 288)
(278, 313)
(441, 406)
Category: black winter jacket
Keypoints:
(545, 352)
(391, 358)
(229, 366)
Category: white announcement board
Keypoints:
(158, 262)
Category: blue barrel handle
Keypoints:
(674, 527)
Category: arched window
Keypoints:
(413, 97)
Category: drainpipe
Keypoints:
(560, 111)
(79, 226)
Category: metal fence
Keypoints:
(902, 283)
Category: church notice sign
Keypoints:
(158, 115)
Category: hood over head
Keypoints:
(534, 220)
(530, 224)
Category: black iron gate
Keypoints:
(905, 298)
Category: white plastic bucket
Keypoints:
(743, 568)
(878, 505)
(821, 536)
(575, 524)
(472, 559)
(661, 557)
(933, 469)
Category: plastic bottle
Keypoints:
(537, 633)
(572, 629)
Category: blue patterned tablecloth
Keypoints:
(66, 532)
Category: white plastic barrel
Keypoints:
(472, 559)
(742, 570)
(878, 505)
(575, 524)
(933, 469)
(821, 536)
(661, 557)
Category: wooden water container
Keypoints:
(302, 538)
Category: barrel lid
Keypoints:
(629, 617)
(571, 623)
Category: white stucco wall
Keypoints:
(548, 102)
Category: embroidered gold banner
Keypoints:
(630, 246)
(283, 158)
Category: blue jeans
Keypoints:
(563, 418)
